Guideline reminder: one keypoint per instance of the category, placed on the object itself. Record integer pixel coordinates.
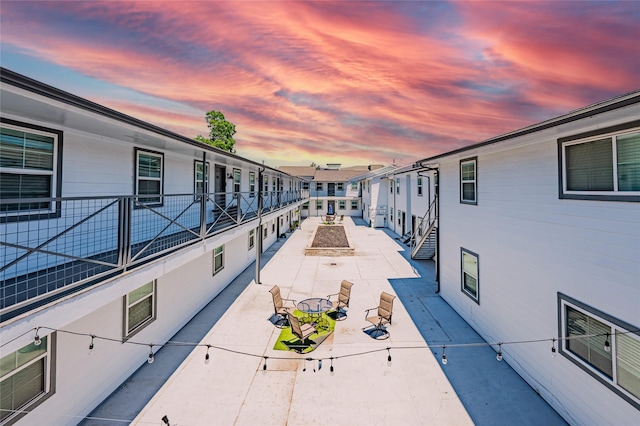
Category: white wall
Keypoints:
(532, 245)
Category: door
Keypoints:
(331, 189)
(331, 207)
(404, 222)
(220, 186)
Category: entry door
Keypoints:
(331, 189)
(220, 186)
(404, 222)
(331, 206)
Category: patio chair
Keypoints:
(343, 301)
(302, 332)
(282, 312)
(377, 329)
(341, 218)
(330, 219)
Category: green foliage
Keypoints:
(221, 132)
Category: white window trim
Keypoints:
(216, 254)
(205, 175)
(53, 173)
(252, 184)
(354, 204)
(49, 387)
(419, 186)
(474, 297)
(474, 181)
(319, 204)
(613, 136)
(342, 205)
(252, 238)
(159, 179)
(615, 324)
(128, 334)
(237, 180)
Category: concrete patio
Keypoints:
(364, 389)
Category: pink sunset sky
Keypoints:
(351, 82)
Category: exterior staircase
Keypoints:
(423, 241)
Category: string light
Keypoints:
(150, 358)
(607, 345)
(206, 357)
(37, 341)
(389, 357)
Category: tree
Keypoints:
(221, 132)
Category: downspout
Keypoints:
(258, 235)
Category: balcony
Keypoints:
(81, 241)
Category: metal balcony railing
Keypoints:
(84, 240)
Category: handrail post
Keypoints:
(124, 231)
(203, 199)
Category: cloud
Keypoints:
(364, 82)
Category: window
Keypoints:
(390, 187)
(354, 204)
(218, 259)
(265, 231)
(354, 186)
(27, 378)
(319, 204)
(340, 186)
(236, 180)
(266, 183)
(606, 348)
(342, 204)
(273, 227)
(275, 183)
(305, 185)
(419, 186)
(305, 206)
(30, 167)
(391, 215)
(397, 185)
(201, 178)
(140, 308)
(468, 181)
(252, 238)
(605, 166)
(149, 177)
(470, 281)
(318, 186)
(252, 184)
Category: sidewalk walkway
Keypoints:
(414, 389)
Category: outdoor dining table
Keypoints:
(314, 308)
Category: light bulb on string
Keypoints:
(331, 367)
(91, 344)
(553, 347)
(444, 356)
(264, 366)
(206, 357)
(499, 355)
(150, 358)
(607, 345)
(36, 340)
(389, 357)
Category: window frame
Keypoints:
(474, 181)
(613, 133)
(137, 179)
(342, 204)
(237, 181)
(319, 204)
(265, 183)
(354, 206)
(615, 324)
(49, 386)
(397, 185)
(319, 186)
(419, 186)
(354, 185)
(126, 332)
(54, 210)
(252, 184)
(339, 186)
(305, 184)
(217, 252)
(252, 238)
(205, 173)
(475, 297)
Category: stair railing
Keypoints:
(425, 226)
